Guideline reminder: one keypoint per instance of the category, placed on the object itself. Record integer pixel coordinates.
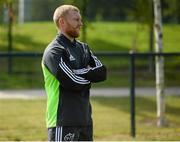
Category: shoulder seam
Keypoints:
(60, 46)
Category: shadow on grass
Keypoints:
(27, 43)
(143, 105)
(102, 45)
(19, 80)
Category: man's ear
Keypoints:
(61, 22)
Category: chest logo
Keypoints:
(71, 58)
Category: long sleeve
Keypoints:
(56, 63)
(95, 72)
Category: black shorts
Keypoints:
(70, 133)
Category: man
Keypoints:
(69, 68)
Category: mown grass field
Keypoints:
(24, 120)
(101, 36)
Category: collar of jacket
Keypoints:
(63, 40)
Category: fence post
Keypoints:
(132, 93)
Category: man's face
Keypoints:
(72, 24)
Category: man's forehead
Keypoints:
(74, 13)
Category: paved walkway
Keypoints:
(106, 92)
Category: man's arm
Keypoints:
(95, 72)
(56, 62)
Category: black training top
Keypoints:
(69, 68)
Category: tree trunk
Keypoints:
(21, 12)
(159, 64)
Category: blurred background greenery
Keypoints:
(116, 25)
(102, 36)
(111, 26)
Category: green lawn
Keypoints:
(23, 120)
(106, 36)
(101, 36)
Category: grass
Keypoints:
(102, 36)
(106, 36)
(23, 120)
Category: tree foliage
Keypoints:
(171, 10)
(113, 10)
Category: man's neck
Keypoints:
(70, 38)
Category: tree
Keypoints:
(45, 9)
(171, 11)
(21, 11)
(8, 5)
(2, 2)
(159, 64)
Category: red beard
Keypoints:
(73, 33)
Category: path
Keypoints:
(106, 92)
